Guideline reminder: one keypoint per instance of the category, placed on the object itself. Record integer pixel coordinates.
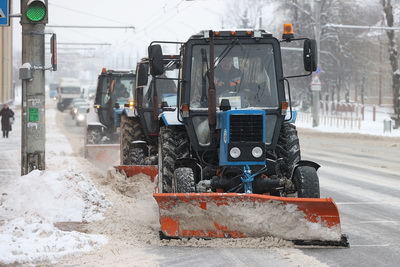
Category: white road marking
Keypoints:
(383, 245)
(380, 221)
(367, 203)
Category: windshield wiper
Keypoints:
(225, 52)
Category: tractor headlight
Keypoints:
(257, 152)
(235, 152)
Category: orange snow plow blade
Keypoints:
(105, 153)
(306, 221)
(150, 170)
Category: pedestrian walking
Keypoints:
(7, 115)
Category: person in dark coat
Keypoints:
(227, 77)
(6, 113)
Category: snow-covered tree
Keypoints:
(343, 52)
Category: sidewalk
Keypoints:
(10, 149)
(371, 125)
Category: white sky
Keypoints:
(172, 20)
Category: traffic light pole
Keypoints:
(33, 97)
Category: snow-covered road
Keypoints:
(82, 213)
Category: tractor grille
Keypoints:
(246, 128)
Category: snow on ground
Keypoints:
(30, 206)
(367, 126)
(44, 215)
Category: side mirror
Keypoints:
(310, 56)
(142, 74)
(156, 60)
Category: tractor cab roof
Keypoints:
(239, 33)
(121, 72)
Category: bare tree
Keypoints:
(345, 54)
(388, 10)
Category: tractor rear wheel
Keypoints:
(183, 181)
(307, 182)
(131, 131)
(173, 144)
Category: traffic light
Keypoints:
(53, 50)
(34, 11)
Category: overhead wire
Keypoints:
(88, 14)
(162, 15)
(142, 31)
(160, 20)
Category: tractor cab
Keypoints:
(114, 89)
(247, 74)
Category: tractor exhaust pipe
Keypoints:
(212, 106)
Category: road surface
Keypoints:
(361, 173)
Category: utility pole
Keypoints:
(33, 20)
(316, 84)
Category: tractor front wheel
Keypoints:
(173, 144)
(307, 182)
(183, 181)
(131, 131)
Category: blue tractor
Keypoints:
(114, 89)
(139, 117)
(229, 162)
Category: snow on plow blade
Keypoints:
(305, 221)
(107, 153)
(131, 170)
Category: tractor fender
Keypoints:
(305, 163)
(170, 118)
(129, 112)
(291, 116)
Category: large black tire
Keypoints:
(183, 181)
(307, 182)
(288, 149)
(173, 144)
(131, 130)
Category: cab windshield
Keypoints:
(120, 92)
(166, 86)
(244, 74)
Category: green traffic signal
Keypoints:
(36, 11)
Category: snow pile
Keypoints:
(30, 206)
(56, 195)
(35, 206)
(30, 239)
(138, 207)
